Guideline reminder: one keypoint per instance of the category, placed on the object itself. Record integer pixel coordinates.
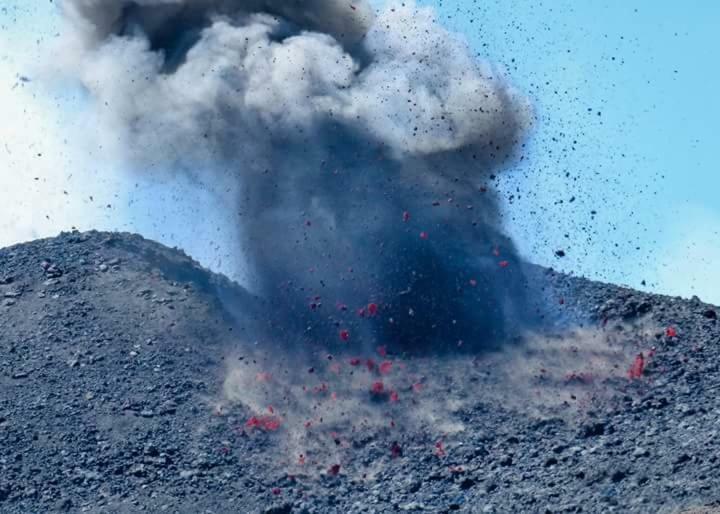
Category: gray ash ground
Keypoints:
(114, 351)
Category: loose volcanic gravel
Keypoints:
(114, 359)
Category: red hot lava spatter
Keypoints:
(671, 332)
(440, 449)
(267, 423)
(377, 389)
(638, 367)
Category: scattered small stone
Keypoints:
(710, 314)
(467, 483)
(592, 430)
(412, 506)
(506, 460)
(188, 473)
(618, 475)
(285, 508)
(682, 459)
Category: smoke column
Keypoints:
(359, 150)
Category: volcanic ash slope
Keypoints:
(132, 380)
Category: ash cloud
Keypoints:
(360, 151)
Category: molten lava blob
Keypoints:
(267, 423)
(638, 367)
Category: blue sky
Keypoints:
(626, 99)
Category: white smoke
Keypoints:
(421, 92)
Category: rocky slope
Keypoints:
(123, 390)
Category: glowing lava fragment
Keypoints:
(322, 388)
(377, 388)
(670, 332)
(345, 335)
(372, 309)
(394, 397)
(370, 364)
(440, 449)
(637, 368)
(382, 351)
(395, 450)
(355, 361)
(423, 235)
(267, 423)
(334, 470)
(406, 216)
(504, 264)
(386, 367)
(263, 377)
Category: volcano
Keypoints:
(122, 376)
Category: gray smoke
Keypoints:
(345, 136)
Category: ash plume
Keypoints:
(360, 150)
